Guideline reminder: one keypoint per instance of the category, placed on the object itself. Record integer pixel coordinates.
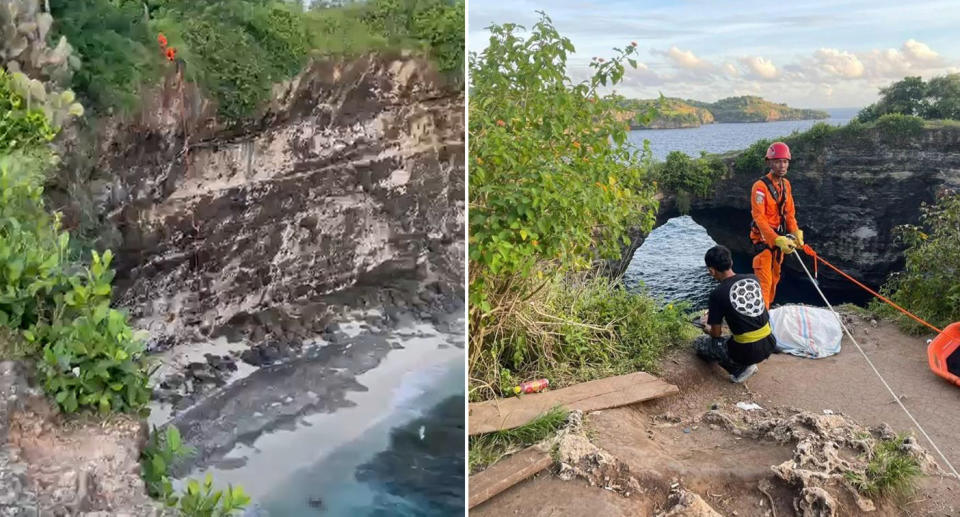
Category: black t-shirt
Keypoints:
(739, 300)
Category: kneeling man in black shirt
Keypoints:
(738, 300)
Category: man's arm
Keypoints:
(713, 319)
(713, 330)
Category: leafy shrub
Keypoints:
(896, 128)
(554, 185)
(937, 99)
(89, 356)
(162, 452)
(236, 50)
(197, 500)
(681, 174)
(546, 184)
(115, 46)
(929, 285)
(438, 25)
(21, 126)
(751, 160)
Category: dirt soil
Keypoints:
(673, 447)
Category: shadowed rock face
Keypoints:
(849, 198)
(353, 176)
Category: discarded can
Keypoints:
(532, 386)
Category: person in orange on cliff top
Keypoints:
(774, 230)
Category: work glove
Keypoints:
(786, 244)
(799, 238)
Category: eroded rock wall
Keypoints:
(849, 198)
(353, 176)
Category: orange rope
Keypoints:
(810, 251)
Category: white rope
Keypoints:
(895, 397)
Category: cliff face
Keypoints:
(849, 197)
(352, 177)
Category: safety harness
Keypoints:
(781, 199)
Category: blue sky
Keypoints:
(817, 54)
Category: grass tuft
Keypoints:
(891, 472)
(487, 449)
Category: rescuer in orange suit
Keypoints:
(774, 230)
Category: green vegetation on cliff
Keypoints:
(929, 285)
(237, 49)
(677, 113)
(554, 185)
(937, 99)
(670, 113)
(750, 108)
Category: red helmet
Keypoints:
(778, 150)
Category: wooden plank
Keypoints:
(506, 473)
(497, 415)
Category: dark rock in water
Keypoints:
(270, 353)
(223, 363)
(252, 357)
(426, 472)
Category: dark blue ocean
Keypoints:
(669, 264)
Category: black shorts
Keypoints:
(751, 353)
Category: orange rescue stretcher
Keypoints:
(943, 353)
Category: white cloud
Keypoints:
(839, 63)
(760, 67)
(919, 52)
(687, 59)
(913, 57)
(730, 69)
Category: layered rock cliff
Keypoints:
(352, 177)
(849, 194)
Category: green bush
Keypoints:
(929, 285)
(554, 185)
(683, 174)
(115, 46)
(896, 128)
(236, 50)
(751, 160)
(21, 126)
(162, 452)
(937, 99)
(545, 183)
(89, 356)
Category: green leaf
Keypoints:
(173, 438)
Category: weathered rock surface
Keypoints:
(827, 449)
(352, 177)
(579, 458)
(50, 467)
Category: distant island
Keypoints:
(684, 113)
